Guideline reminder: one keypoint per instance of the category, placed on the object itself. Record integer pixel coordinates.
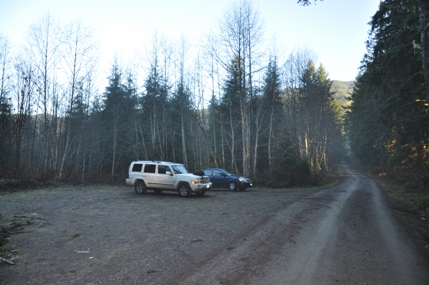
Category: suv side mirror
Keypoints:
(169, 173)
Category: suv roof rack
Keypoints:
(156, 161)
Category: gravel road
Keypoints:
(110, 235)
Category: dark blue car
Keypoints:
(220, 178)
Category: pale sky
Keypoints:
(335, 30)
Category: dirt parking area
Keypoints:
(111, 235)
(345, 234)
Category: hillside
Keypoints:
(342, 89)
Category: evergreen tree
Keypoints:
(5, 104)
(119, 105)
(289, 169)
(392, 80)
(181, 118)
(5, 128)
(154, 114)
(216, 133)
(316, 114)
(230, 110)
(272, 113)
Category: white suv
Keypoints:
(162, 175)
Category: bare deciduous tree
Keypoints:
(42, 50)
(241, 32)
(5, 104)
(24, 95)
(79, 53)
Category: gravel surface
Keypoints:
(111, 235)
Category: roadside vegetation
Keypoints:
(6, 252)
(408, 193)
(411, 197)
(387, 122)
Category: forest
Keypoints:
(232, 101)
(388, 122)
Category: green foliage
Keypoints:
(269, 108)
(289, 168)
(233, 90)
(5, 232)
(272, 87)
(117, 115)
(386, 125)
(5, 128)
(154, 108)
(408, 192)
(181, 118)
(306, 2)
(318, 115)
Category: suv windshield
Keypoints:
(179, 169)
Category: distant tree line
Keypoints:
(388, 122)
(228, 103)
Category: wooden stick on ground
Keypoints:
(7, 261)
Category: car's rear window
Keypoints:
(137, 167)
(149, 168)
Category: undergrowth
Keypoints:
(5, 232)
(409, 193)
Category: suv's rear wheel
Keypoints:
(184, 190)
(140, 187)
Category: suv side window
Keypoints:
(149, 168)
(137, 167)
(217, 173)
(207, 172)
(162, 169)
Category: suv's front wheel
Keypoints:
(140, 187)
(184, 190)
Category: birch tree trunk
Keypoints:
(24, 94)
(240, 34)
(184, 153)
(114, 142)
(79, 57)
